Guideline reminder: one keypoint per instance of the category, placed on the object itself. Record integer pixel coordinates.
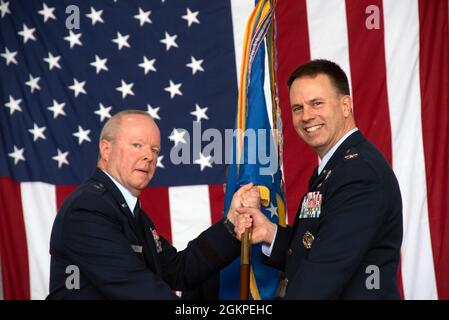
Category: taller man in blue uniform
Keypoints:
(345, 240)
(102, 232)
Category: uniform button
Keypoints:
(290, 251)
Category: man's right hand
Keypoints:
(263, 229)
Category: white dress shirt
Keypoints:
(332, 150)
(129, 198)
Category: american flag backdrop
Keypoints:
(179, 61)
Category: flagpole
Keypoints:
(245, 267)
(255, 31)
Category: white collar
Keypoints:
(332, 150)
(129, 198)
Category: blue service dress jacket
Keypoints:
(120, 256)
(346, 238)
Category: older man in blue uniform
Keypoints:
(102, 232)
(345, 240)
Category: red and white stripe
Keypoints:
(29, 208)
(399, 77)
(404, 100)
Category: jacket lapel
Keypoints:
(353, 139)
(102, 178)
(148, 225)
(147, 242)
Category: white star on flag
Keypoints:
(103, 112)
(273, 210)
(37, 132)
(10, 56)
(173, 88)
(148, 65)
(200, 113)
(17, 155)
(53, 62)
(153, 112)
(125, 89)
(74, 39)
(13, 105)
(57, 109)
(177, 137)
(203, 161)
(61, 157)
(33, 83)
(195, 65)
(159, 162)
(47, 12)
(99, 64)
(191, 17)
(82, 135)
(4, 8)
(143, 17)
(95, 16)
(78, 87)
(169, 41)
(27, 34)
(121, 41)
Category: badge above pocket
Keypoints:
(311, 205)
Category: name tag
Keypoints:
(136, 248)
(311, 205)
